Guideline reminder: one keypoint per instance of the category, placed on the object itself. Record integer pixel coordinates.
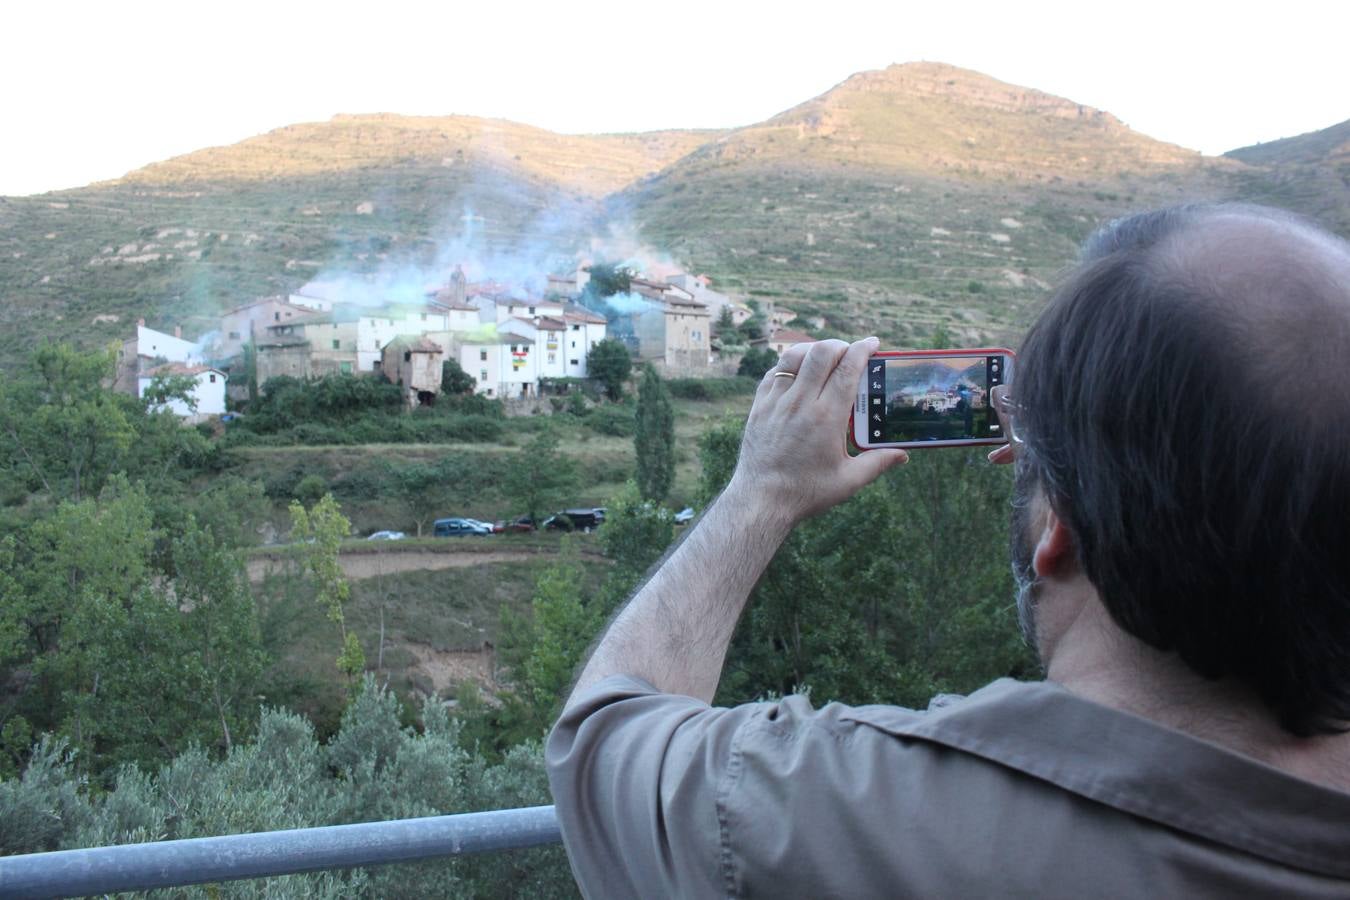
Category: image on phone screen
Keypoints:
(933, 398)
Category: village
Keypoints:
(514, 341)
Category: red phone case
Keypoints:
(968, 351)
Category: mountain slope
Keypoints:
(942, 120)
(591, 164)
(913, 198)
(903, 201)
(1309, 173)
(1329, 146)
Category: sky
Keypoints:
(90, 91)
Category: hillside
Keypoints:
(919, 196)
(1330, 146)
(1309, 173)
(899, 201)
(593, 165)
(941, 120)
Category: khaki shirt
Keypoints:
(1020, 790)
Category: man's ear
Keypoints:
(1054, 556)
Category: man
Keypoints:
(1181, 541)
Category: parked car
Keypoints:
(456, 527)
(520, 525)
(684, 516)
(491, 527)
(387, 536)
(576, 519)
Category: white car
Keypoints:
(685, 516)
(387, 536)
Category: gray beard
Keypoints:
(1022, 549)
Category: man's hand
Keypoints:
(793, 458)
(675, 630)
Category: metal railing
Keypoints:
(135, 867)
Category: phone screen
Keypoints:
(916, 399)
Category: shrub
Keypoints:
(311, 489)
(613, 420)
(711, 388)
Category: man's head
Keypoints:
(1185, 399)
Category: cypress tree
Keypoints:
(655, 437)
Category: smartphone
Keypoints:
(930, 398)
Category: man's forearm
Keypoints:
(675, 630)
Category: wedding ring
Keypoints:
(784, 374)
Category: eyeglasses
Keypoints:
(1007, 410)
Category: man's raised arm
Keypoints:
(674, 631)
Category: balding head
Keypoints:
(1186, 400)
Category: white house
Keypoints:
(498, 308)
(585, 329)
(548, 335)
(503, 367)
(208, 391)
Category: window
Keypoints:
(482, 356)
(576, 327)
(575, 363)
(553, 357)
(513, 348)
(234, 335)
(574, 345)
(276, 317)
(482, 374)
(213, 377)
(531, 310)
(337, 345)
(407, 356)
(697, 335)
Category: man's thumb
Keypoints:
(868, 466)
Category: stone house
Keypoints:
(244, 323)
(414, 364)
(675, 335)
(784, 338)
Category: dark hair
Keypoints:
(1193, 436)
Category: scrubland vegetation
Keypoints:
(164, 675)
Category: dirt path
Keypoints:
(357, 566)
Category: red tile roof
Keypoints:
(787, 336)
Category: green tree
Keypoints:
(219, 623)
(635, 534)
(538, 477)
(610, 364)
(422, 489)
(454, 380)
(544, 649)
(757, 361)
(318, 535)
(60, 427)
(608, 279)
(654, 439)
(755, 328)
(922, 613)
(725, 323)
(163, 388)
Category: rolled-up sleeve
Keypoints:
(635, 776)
